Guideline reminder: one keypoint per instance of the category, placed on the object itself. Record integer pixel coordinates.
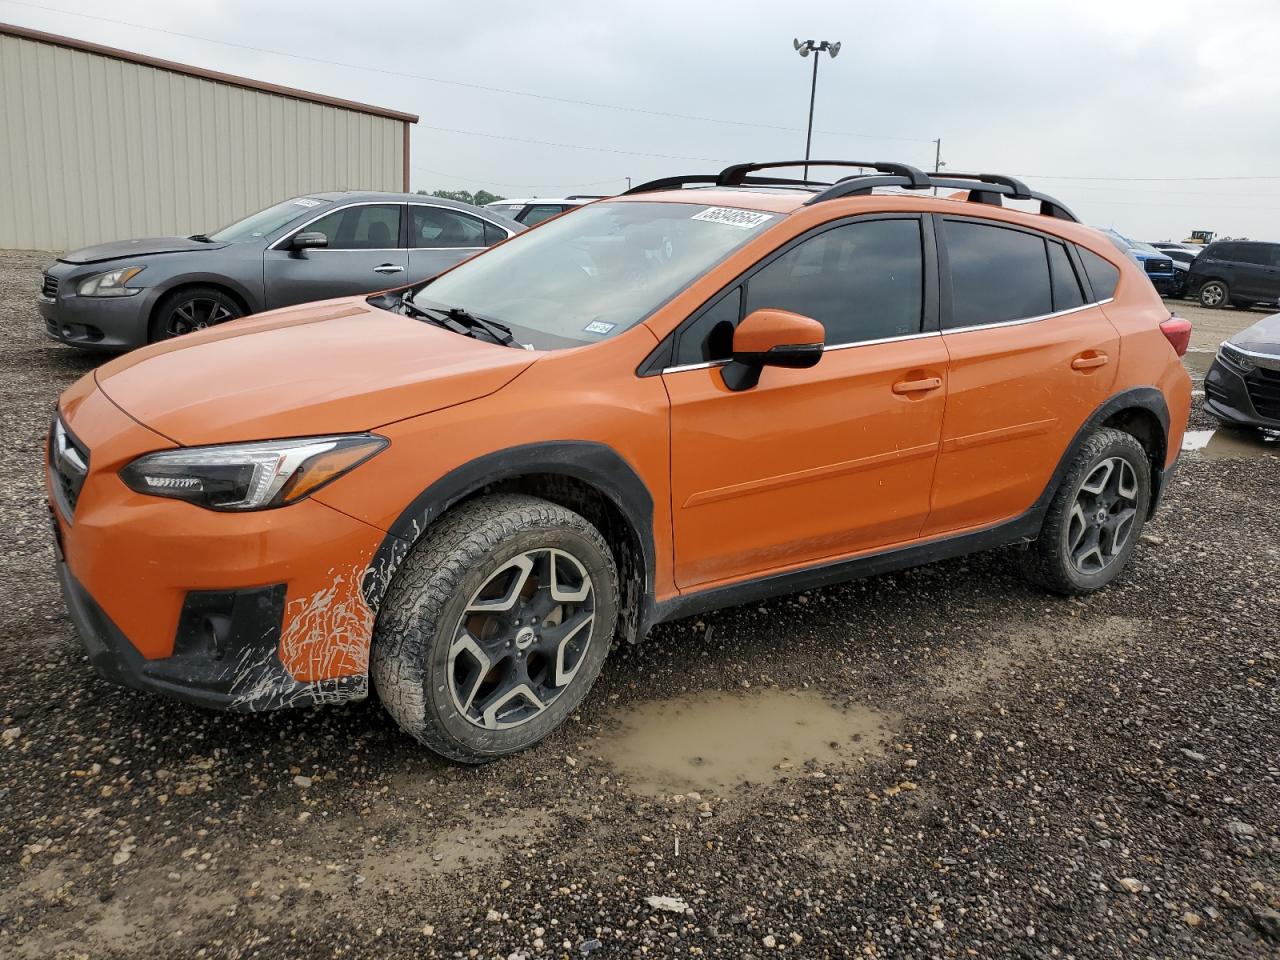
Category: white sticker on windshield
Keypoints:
(599, 326)
(742, 219)
(307, 202)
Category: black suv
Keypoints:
(1239, 272)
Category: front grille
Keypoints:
(68, 466)
(1264, 391)
(49, 287)
(1158, 265)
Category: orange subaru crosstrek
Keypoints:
(708, 390)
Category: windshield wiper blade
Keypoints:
(203, 238)
(498, 331)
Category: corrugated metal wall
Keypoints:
(93, 148)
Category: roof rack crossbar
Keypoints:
(734, 175)
(993, 186)
(1020, 190)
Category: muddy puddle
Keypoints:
(716, 742)
(1224, 444)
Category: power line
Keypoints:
(571, 146)
(501, 183)
(461, 83)
(1045, 176)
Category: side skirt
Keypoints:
(1022, 529)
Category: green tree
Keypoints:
(479, 198)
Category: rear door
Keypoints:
(811, 465)
(439, 237)
(1256, 277)
(1030, 359)
(366, 252)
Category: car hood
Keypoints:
(120, 249)
(339, 366)
(1262, 337)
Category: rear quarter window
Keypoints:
(1103, 275)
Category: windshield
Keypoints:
(597, 270)
(506, 209)
(267, 221)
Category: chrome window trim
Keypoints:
(1022, 320)
(346, 206)
(910, 336)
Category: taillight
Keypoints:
(1178, 332)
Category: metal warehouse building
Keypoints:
(101, 144)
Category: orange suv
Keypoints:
(711, 389)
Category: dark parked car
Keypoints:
(1243, 384)
(1238, 272)
(116, 296)
(1182, 255)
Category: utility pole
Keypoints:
(937, 160)
(628, 183)
(816, 48)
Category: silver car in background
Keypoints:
(120, 295)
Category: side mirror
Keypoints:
(772, 338)
(308, 241)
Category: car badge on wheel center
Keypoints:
(525, 638)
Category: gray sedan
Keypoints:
(115, 296)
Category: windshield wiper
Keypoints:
(464, 321)
(203, 238)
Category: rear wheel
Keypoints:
(191, 309)
(1095, 517)
(1214, 294)
(495, 627)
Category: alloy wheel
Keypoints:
(1212, 295)
(196, 314)
(521, 638)
(1102, 517)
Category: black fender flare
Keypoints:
(595, 464)
(1147, 399)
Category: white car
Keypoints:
(536, 209)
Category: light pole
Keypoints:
(816, 48)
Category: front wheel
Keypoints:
(1214, 294)
(191, 309)
(1095, 517)
(495, 627)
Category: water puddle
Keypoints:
(715, 742)
(1223, 444)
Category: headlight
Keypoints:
(250, 476)
(1235, 357)
(110, 284)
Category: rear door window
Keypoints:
(437, 227)
(997, 274)
(1103, 275)
(539, 212)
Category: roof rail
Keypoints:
(586, 196)
(993, 186)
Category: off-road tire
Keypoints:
(421, 610)
(1216, 291)
(1047, 562)
(223, 308)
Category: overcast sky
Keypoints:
(1056, 91)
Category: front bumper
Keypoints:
(93, 323)
(247, 677)
(1227, 396)
(240, 611)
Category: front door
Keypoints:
(366, 253)
(810, 465)
(1030, 360)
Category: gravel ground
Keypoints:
(1047, 777)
